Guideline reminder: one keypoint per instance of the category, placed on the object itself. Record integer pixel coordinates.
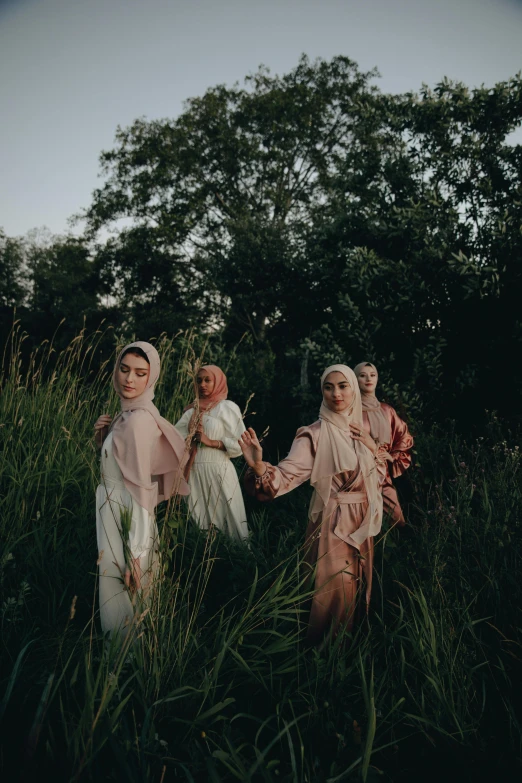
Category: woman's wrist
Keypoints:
(259, 468)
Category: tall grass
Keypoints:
(214, 683)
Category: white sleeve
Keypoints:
(142, 530)
(182, 425)
(233, 427)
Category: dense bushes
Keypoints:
(219, 685)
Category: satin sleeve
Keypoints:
(233, 427)
(401, 445)
(288, 474)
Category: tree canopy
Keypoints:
(322, 217)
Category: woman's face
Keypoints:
(132, 376)
(367, 379)
(205, 384)
(337, 392)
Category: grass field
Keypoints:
(216, 683)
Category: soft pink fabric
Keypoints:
(338, 452)
(340, 567)
(399, 460)
(149, 450)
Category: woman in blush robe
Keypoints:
(341, 462)
(142, 459)
(211, 426)
(390, 433)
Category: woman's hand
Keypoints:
(101, 425)
(358, 433)
(383, 454)
(200, 437)
(252, 451)
(133, 575)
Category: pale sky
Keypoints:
(72, 70)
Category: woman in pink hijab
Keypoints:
(342, 463)
(142, 459)
(211, 426)
(390, 433)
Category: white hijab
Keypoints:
(337, 452)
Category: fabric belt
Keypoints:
(350, 497)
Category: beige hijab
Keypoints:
(148, 449)
(380, 428)
(337, 452)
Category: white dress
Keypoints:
(114, 505)
(215, 495)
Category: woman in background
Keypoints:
(211, 426)
(142, 457)
(340, 460)
(390, 433)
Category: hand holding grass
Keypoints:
(101, 426)
(133, 575)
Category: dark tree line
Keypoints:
(326, 220)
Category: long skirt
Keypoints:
(115, 509)
(343, 573)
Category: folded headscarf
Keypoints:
(337, 452)
(148, 449)
(380, 428)
(219, 392)
(204, 405)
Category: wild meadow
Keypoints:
(215, 682)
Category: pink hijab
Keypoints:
(201, 406)
(219, 392)
(148, 449)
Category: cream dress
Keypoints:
(113, 501)
(215, 495)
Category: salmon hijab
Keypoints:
(337, 452)
(380, 427)
(149, 450)
(202, 406)
(219, 392)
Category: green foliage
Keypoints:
(226, 190)
(214, 682)
(322, 218)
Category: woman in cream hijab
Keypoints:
(390, 433)
(142, 460)
(339, 459)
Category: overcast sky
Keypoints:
(72, 70)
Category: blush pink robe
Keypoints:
(341, 568)
(400, 451)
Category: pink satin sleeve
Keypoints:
(401, 445)
(288, 474)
